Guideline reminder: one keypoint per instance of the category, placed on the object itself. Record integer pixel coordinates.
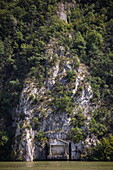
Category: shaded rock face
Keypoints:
(61, 11)
(46, 112)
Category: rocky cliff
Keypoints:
(47, 111)
(56, 80)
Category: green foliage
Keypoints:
(97, 128)
(25, 30)
(71, 75)
(94, 38)
(1, 48)
(35, 123)
(77, 134)
(103, 150)
(62, 100)
(3, 138)
(62, 103)
(93, 43)
(41, 137)
(79, 42)
(5, 144)
(14, 84)
(78, 120)
(100, 124)
(28, 126)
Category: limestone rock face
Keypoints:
(47, 108)
(63, 9)
(46, 112)
(61, 12)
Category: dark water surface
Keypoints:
(56, 165)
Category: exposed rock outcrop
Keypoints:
(65, 83)
(45, 112)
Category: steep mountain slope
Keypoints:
(51, 109)
(56, 79)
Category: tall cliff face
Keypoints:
(47, 111)
(56, 105)
(56, 79)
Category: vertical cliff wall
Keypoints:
(51, 108)
(49, 111)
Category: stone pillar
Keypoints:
(50, 150)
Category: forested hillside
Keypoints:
(26, 29)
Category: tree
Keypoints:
(103, 150)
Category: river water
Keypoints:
(56, 165)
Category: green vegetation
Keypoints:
(101, 123)
(26, 27)
(103, 150)
(35, 123)
(71, 75)
(62, 96)
(77, 132)
(3, 138)
(40, 137)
